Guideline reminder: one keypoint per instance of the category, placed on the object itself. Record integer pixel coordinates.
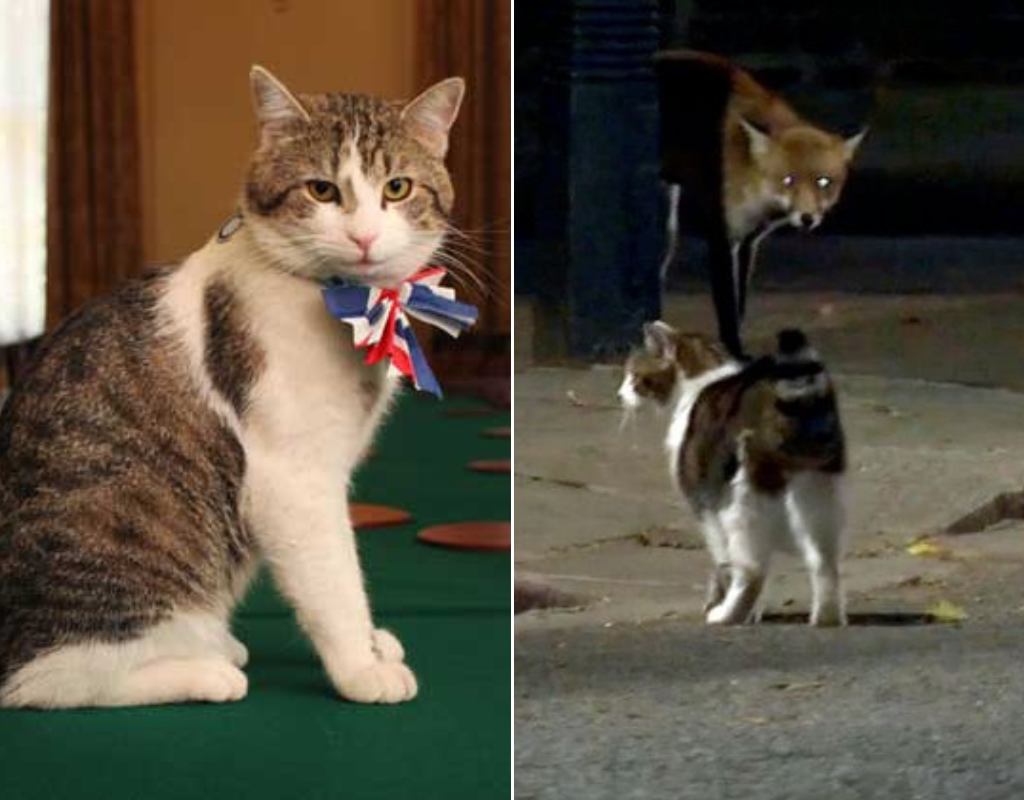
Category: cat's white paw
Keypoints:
(387, 647)
(238, 653)
(215, 681)
(724, 614)
(719, 615)
(381, 682)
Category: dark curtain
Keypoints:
(93, 227)
(473, 39)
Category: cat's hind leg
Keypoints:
(179, 680)
(752, 521)
(816, 513)
(177, 661)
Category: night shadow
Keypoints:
(888, 619)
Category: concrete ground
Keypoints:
(625, 693)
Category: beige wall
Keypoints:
(196, 121)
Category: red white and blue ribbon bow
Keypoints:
(380, 320)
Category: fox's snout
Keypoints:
(805, 221)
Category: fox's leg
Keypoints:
(671, 230)
(722, 254)
(745, 253)
(749, 249)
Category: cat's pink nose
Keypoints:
(364, 242)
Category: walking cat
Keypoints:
(758, 451)
(209, 416)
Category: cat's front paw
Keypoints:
(381, 682)
(387, 647)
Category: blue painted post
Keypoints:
(598, 279)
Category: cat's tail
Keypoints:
(806, 400)
(798, 372)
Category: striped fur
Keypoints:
(119, 487)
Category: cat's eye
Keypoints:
(397, 189)
(323, 191)
(789, 180)
(824, 182)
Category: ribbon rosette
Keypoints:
(380, 320)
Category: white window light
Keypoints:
(24, 51)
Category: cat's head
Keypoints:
(654, 372)
(348, 185)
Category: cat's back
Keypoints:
(773, 418)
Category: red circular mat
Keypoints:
(470, 535)
(367, 515)
(491, 466)
(498, 433)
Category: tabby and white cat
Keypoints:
(210, 415)
(758, 450)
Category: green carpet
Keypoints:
(291, 737)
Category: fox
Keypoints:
(777, 170)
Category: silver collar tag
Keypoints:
(228, 229)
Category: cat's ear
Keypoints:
(430, 116)
(660, 339)
(759, 141)
(274, 103)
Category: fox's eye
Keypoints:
(789, 180)
(824, 182)
(323, 191)
(397, 189)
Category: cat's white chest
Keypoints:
(316, 394)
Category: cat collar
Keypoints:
(380, 320)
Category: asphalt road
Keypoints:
(674, 709)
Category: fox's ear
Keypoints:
(850, 145)
(660, 339)
(760, 142)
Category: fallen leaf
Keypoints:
(882, 408)
(798, 686)
(920, 580)
(663, 536)
(926, 548)
(575, 399)
(945, 611)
